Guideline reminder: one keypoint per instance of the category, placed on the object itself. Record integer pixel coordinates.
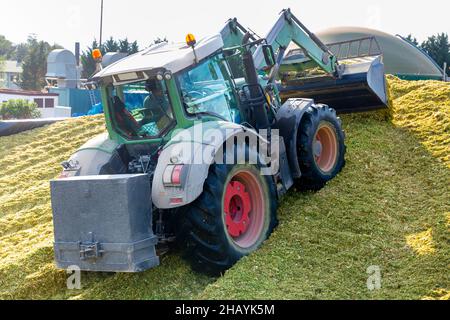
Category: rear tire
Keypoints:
(321, 147)
(232, 218)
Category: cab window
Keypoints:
(207, 90)
(142, 109)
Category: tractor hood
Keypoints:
(163, 56)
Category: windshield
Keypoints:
(142, 109)
(207, 89)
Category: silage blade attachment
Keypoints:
(360, 86)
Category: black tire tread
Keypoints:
(310, 179)
(200, 238)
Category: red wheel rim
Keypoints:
(244, 208)
(325, 148)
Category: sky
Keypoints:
(66, 22)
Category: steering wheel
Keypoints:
(195, 95)
(200, 94)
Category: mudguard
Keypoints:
(196, 148)
(289, 117)
(91, 157)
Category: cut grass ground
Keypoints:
(390, 190)
(390, 208)
(423, 107)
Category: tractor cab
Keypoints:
(166, 87)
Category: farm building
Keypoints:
(48, 103)
(43, 100)
(10, 72)
(401, 58)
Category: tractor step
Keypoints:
(104, 223)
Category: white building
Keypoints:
(10, 72)
(47, 102)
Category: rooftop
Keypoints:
(11, 67)
(27, 93)
(172, 57)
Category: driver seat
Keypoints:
(124, 119)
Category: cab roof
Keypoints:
(171, 57)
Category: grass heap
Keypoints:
(424, 108)
(28, 161)
(389, 207)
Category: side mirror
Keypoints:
(269, 55)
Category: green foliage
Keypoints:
(87, 61)
(9, 51)
(438, 47)
(6, 48)
(35, 64)
(111, 45)
(19, 109)
(21, 51)
(413, 40)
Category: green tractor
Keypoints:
(201, 146)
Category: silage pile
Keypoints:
(423, 107)
(27, 162)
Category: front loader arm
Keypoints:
(233, 33)
(289, 29)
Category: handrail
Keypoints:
(347, 45)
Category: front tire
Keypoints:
(321, 147)
(232, 218)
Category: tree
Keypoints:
(21, 51)
(111, 45)
(6, 48)
(87, 61)
(413, 40)
(10, 51)
(35, 64)
(134, 47)
(438, 47)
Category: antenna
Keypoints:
(101, 24)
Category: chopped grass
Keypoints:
(390, 190)
(28, 161)
(423, 107)
(422, 243)
(390, 208)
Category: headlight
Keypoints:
(168, 76)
